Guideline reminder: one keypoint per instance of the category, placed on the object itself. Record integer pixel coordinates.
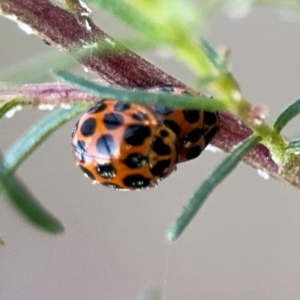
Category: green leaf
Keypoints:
(294, 146)
(22, 199)
(208, 185)
(10, 105)
(38, 133)
(141, 96)
(213, 56)
(287, 115)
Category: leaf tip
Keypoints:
(56, 227)
(172, 234)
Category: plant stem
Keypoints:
(63, 30)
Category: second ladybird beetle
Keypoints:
(129, 146)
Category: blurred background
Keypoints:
(244, 243)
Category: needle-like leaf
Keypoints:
(21, 198)
(38, 133)
(208, 185)
(287, 115)
(215, 58)
(10, 105)
(141, 96)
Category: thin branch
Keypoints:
(66, 32)
(63, 30)
(45, 93)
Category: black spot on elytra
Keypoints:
(158, 169)
(74, 130)
(98, 107)
(194, 136)
(88, 127)
(121, 106)
(136, 181)
(194, 152)
(210, 118)
(173, 126)
(136, 134)
(113, 121)
(87, 172)
(106, 145)
(112, 185)
(106, 171)
(79, 151)
(140, 116)
(160, 147)
(164, 133)
(191, 116)
(135, 160)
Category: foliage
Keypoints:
(159, 23)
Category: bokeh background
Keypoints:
(244, 243)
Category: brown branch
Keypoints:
(66, 32)
(63, 30)
(45, 93)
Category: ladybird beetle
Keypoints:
(193, 128)
(128, 146)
